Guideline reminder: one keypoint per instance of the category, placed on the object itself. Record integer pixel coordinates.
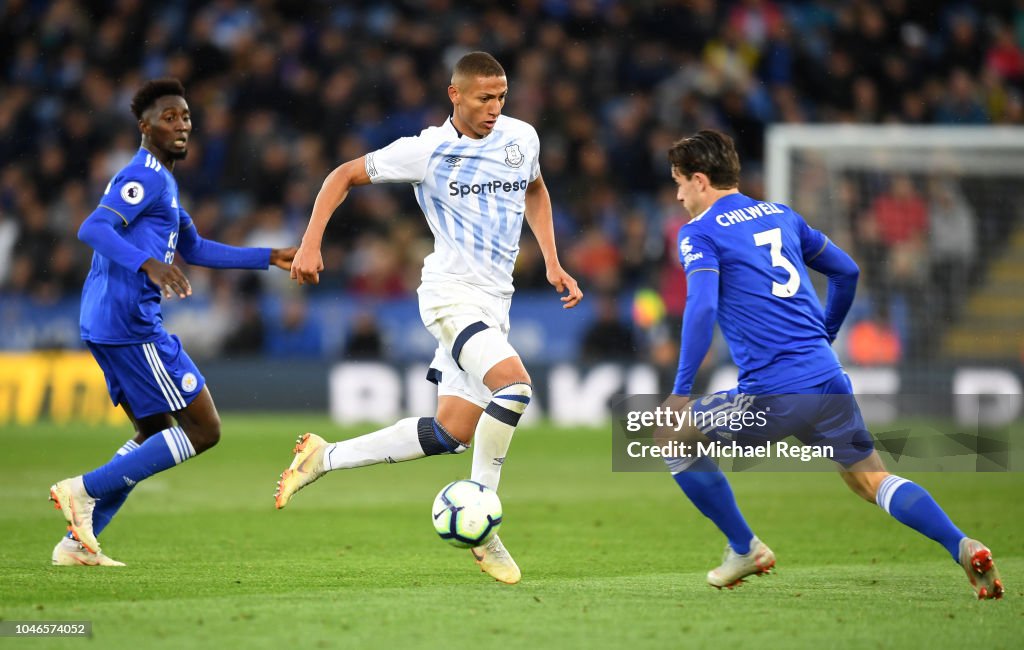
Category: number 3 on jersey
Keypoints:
(773, 239)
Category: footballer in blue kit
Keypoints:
(136, 232)
(746, 265)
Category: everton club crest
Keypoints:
(513, 156)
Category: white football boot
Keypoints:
(736, 567)
(981, 570)
(495, 561)
(306, 467)
(70, 552)
(71, 499)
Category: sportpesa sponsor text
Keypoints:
(490, 187)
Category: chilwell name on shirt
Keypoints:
(747, 214)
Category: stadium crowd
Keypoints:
(282, 91)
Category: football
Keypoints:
(466, 513)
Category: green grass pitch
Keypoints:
(609, 560)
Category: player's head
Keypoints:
(478, 93)
(704, 165)
(164, 118)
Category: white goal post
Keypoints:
(935, 215)
(975, 150)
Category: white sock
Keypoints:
(406, 439)
(494, 432)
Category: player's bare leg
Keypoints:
(911, 505)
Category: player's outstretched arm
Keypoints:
(308, 262)
(198, 251)
(538, 216)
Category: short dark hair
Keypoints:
(710, 152)
(153, 90)
(478, 64)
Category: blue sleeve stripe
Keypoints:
(115, 212)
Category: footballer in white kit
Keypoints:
(472, 193)
(476, 178)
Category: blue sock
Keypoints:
(162, 451)
(107, 507)
(910, 504)
(709, 490)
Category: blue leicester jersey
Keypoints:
(121, 305)
(767, 309)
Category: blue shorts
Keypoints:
(824, 415)
(151, 378)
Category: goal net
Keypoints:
(933, 216)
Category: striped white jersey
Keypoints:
(473, 194)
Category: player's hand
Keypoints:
(307, 264)
(282, 257)
(562, 281)
(168, 278)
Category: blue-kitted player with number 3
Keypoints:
(136, 231)
(746, 266)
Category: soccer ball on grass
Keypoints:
(466, 513)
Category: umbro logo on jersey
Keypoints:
(453, 161)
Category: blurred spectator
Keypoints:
(294, 334)
(8, 238)
(609, 337)
(961, 104)
(952, 243)
(873, 341)
(364, 340)
(249, 332)
(279, 96)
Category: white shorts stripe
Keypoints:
(157, 377)
(170, 391)
(172, 388)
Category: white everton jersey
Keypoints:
(473, 194)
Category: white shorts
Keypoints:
(453, 313)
